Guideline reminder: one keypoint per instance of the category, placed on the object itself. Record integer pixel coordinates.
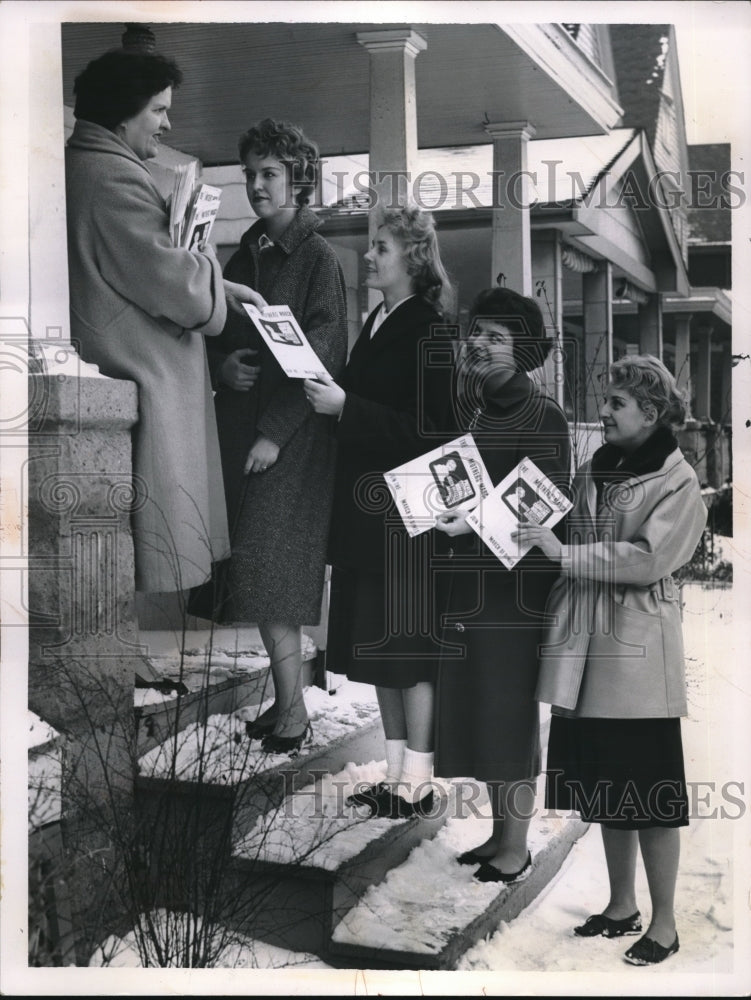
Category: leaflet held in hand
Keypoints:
(451, 477)
(289, 345)
(525, 496)
(193, 207)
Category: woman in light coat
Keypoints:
(140, 309)
(612, 664)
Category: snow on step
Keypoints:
(422, 906)
(202, 657)
(315, 828)
(220, 752)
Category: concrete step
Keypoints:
(428, 912)
(216, 761)
(223, 668)
(302, 867)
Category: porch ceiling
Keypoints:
(318, 75)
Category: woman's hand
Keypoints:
(324, 395)
(236, 294)
(453, 523)
(543, 538)
(262, 455)
(236, 373)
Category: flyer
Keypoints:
(451, 477)
(289, 345)
(524, 496)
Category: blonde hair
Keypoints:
(651, 385)
(415, 230)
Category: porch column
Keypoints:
(393, 109)
(704, 373)
(725, 407)
(650, 325)
(683, 357)
(547, 273)
(597, 316)
(511, 253)
(393, 116)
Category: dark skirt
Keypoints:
(487, 718)
(380, 634)
(627, 774)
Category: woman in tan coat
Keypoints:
(140, 309)
(612, 664)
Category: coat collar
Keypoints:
(415, 311)
(303, 224)
(97, 139)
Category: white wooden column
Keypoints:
(650, 326)
(683, 357)
(547, 276)
(511, 253)
(703, 380)
(393, 116)
(597, 310)
(393, 109)
(725, 406)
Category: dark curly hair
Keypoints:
(652, 386)
(522, 316)
(119, 85)
(289, 144)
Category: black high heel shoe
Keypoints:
(489, 873)
(286, 744)
(263, 724)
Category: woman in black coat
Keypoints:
(487, 719)
(390, 408)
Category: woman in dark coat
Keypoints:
(390, 406)
(277, 455)
(487, 718)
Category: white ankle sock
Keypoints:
(394, 757)
(417, 770)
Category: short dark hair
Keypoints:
(289, 144)
(522, 316)
(118, 85)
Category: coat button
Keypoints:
(451, 553)
(459, 627)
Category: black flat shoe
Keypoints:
(386, 805)
(367, 796)
(262, 725)
(599, 925)
(470, 858)
(286, 744)
(649, 952)
(489, 873)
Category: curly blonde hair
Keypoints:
(652, 386)
(415, 229)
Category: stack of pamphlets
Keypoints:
(193, 208)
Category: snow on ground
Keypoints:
(540, 940)
(236, 951)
